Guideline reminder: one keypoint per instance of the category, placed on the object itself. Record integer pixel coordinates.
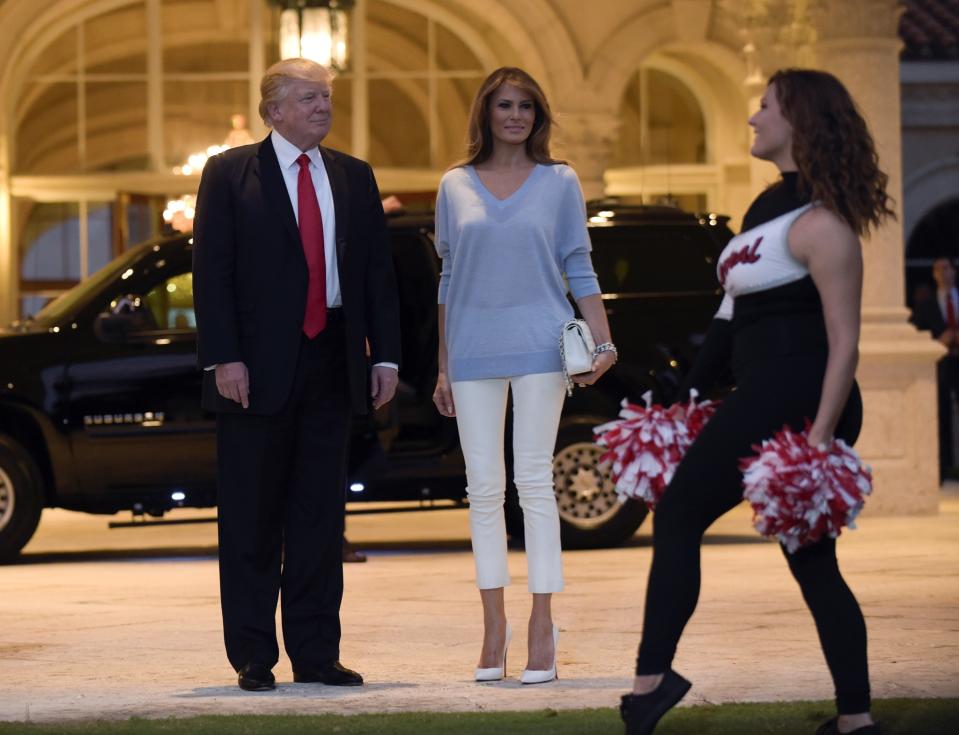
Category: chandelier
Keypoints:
(179, 212)
(315, 29)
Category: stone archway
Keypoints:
(662, 38)
(927, 188)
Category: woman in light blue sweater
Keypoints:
(511, 230)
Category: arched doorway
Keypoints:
(935, 235)
(662, 133)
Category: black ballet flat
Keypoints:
(641, 712)
(832, 728)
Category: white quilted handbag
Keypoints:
(576, 347)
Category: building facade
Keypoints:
(104, 101)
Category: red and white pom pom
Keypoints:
(645, 444)
(799, 492)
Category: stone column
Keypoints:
(585, 139)
(857, 41)
(9, 262)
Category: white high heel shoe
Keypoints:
(535, 676)
(496, 672)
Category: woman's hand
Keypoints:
(831, 251)
(818, 437)
(601, 363)
(443, 397)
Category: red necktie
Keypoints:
(311, 234)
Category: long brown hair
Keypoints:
(832, 147)
(479, 147)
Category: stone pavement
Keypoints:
(122, 623)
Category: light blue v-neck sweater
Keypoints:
(506, 265)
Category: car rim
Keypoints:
(585, 491)
(6, 499)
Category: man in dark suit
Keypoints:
(939, 314)
(292, 279)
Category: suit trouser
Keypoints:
(481, 418)
(281, 494)
(947, 384)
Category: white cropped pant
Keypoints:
(481, 420)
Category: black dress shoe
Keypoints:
(832, 728)
(256, 678)
(641, 712)
(334, 675)
(351, 555)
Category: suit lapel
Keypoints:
(275, 193)
(341, 199)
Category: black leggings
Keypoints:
(707, 484)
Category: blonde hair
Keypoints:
(276, 81)
(479, 145)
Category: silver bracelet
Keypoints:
(606, 347)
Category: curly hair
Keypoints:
(832, 147)
(480, 138)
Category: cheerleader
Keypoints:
(789, 327)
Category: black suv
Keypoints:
(99, 392)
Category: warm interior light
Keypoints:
(289, 34)
(316, 36)
(317, 33)
(179, 213)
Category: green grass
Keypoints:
(898, 717)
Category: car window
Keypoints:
(653, 259)
(86, 289)
(171, 303)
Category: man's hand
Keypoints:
(383, 385)
(233, 382)
(949, 338)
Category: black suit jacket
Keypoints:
(927, 315)
(250, 274)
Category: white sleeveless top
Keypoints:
(759, 259)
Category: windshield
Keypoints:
(67, 301)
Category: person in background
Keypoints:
(351, 555)
(938, 313)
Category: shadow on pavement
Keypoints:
(147, 554)
(289, 690)
(375, 548)
(715, 539)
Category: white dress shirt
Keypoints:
(286, 154)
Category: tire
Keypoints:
(590, 514)
(21, 497)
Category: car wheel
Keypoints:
(21, 497)
(590, 513)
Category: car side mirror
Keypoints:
(127, 314)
